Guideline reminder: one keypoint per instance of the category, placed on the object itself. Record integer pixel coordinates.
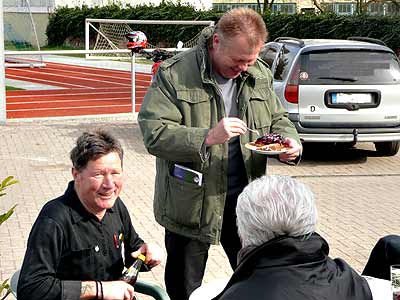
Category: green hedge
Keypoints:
(68, 24)
(332, 26)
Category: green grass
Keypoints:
(60, 48)
(12, 88)
(51, 48)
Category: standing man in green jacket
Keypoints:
(196, 114)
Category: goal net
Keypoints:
(20, 34)
(109, 34)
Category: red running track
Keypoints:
(84, 91)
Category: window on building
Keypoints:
(383, 9)
(340, 8)
(375, 9)
(284, 8)
(344, 8)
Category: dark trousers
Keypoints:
(386, 252)
(187, 258)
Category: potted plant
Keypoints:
(4, 286)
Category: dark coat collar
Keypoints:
(286, 250)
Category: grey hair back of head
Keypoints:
(273, 206)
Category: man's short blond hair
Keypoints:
(242, 21)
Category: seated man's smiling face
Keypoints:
(99, 184)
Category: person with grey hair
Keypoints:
(81, 241)
(282, 257)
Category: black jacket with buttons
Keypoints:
(68, 245)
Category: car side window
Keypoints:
(268, 55)
(282, 66)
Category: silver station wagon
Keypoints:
(341, 91)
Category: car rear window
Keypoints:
(348, 67)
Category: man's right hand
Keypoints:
(117, 290)
(226, 129)
(112, 290)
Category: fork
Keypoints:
(253, 130)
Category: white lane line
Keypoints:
(70, 107)
(75, 77)
(128, 77)
(68, 100)
(58, 66)
(88, 68)
(9, 97)
(69, 94)
(48, 82)
(146, 76)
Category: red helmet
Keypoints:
(137, 40)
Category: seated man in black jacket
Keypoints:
(80, 242)
(282, 258)
(385, 253)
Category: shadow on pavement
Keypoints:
(335, 153)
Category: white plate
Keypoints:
(265, 152)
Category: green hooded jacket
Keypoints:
(181, 105)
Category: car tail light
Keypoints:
(292, 86)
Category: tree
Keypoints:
(4, 286)
(267, 6)
(318, 6)
(362, 5)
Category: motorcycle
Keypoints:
(137, 42)
(157, 56)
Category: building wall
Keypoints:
(298, 4)
(341, 7)
(18, 27)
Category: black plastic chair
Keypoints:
(141, 287)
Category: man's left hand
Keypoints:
(153, 253)
(293, 152)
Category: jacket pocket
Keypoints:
(195, 107)
(261, 110)
(184, 202)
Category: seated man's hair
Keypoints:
(93, 145)
(273, 206)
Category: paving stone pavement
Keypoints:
(356, 191)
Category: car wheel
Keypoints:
(387, 148)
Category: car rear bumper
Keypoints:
(348, 134)
(307, 137)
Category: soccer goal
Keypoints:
(109, 34)
(20, 34)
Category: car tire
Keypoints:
(387, 148)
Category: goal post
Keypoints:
(108, 34)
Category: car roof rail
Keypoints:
(366, 39)
(290, 39)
